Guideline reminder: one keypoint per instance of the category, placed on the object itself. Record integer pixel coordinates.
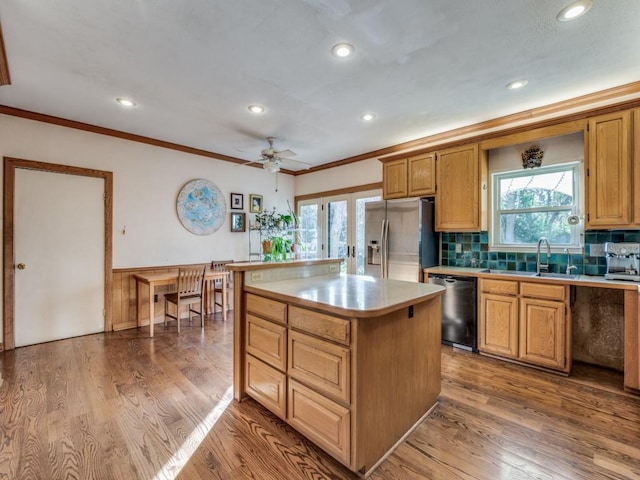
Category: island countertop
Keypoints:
(348, 295)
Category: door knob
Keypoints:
(21, 266)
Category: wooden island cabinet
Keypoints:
(351, 362)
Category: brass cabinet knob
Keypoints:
(21, 266)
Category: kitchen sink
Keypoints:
(555, 275)
(530, 274)
(507, 272)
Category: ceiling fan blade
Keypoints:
(249, 162)
(285, 153)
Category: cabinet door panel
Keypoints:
(321, 420)
(267, 341)
(499, 325)
(267, 308)
(266, 385)
(459, 189)
(320, 364)
(394, 179)
(542, 332)
(422, 175)
(609, 163)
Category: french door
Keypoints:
(339, 223)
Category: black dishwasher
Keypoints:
(459, 310)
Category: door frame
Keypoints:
(8, 266)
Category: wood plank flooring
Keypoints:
(124, 406)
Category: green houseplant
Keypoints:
(275, 246)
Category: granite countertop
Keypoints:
(354, 296)
(579, 280)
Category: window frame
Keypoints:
(577, 231)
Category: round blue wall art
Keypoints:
(201, 207)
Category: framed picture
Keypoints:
(238, 222)
(255, 203)
(237, 201)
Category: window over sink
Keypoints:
(534, 203)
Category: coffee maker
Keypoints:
(623, 261)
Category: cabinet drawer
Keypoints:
(544, 290)
(321, 365)
(502, 287)
(325, 326)
(267, 341)
(266, 385)
(267, 308)
(320, 420)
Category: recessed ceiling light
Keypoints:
(574, 10)
(342, 50)
(126, 102)
(517, 84)
(367, 117)
(256, 108)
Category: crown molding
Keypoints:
(573, 109)
(5, 78)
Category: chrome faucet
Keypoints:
(569, 266)
(539, 264)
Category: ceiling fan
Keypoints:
(272, 159)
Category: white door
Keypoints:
(59, 239)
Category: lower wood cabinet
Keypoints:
(499, 325)
(321, 420)
(543, 328)
(267, 385)
(527, 322)
(320, 364)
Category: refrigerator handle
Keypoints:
(385, 246)
(382, 256)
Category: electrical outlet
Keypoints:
(334, 268)
(256, 276)
(458, 248)
(596, 250)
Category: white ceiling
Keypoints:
(423, 66)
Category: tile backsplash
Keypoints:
(472, 250)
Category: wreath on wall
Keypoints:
(532, 157)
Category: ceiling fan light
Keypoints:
(271, 167)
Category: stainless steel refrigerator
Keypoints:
(400, 238)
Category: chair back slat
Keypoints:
(190, 281)
(221, 266)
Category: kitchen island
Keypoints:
(351, 362)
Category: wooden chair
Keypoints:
(220, 266)
(190, 284)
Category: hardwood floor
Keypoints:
(124, 406)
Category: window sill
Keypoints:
(579, 250)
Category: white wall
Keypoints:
(351, 175)
(147, 180)
(561, 149)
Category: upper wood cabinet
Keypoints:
(422, 175)
(461, 198)
(394, 179)
(609, 172)
(409, 177)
